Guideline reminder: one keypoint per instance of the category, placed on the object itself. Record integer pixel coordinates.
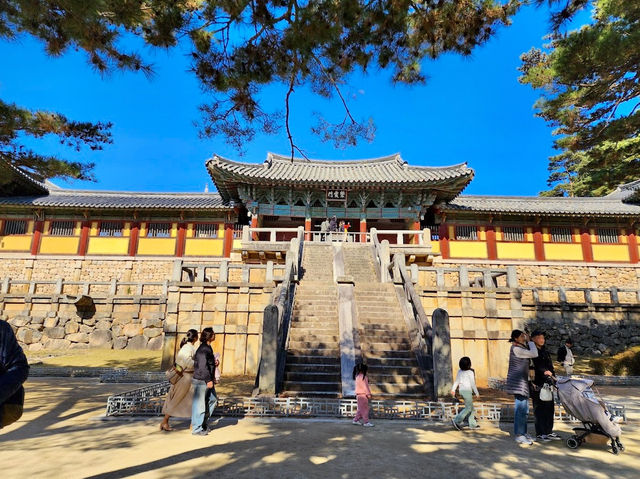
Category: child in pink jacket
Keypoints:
(363, 394)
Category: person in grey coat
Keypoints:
(522, 350)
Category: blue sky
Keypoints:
(471, 109)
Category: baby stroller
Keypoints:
(580, 401)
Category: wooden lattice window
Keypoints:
(608, 235)
(466, 232)
(206, 230)
(435, 232)
(237, 230)
(561, 234)
(159, 230)
(62, 228)
(14, 227)
(513, 233)
(110, 228)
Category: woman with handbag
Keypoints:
(180, 396)
(14, 370)
(541, 390)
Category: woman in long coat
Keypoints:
(180, 397)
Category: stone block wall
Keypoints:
(234, 311)
(55, 322)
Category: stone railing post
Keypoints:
(562, 295)
(246, 236)
(5, 285)
(223, 271)
(269, 275)
(463, 276)
(269, 352)
(587, 296)
(512, 277)
(613, 293)
(272, 236)
(176, 275)
(442, 370)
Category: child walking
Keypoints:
(363, 394)
(466, 382)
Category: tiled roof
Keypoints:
(282, 170)
(113, 199)
(389, 169)
(15, 181)
(602, 206)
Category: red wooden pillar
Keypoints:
(228, 239)
(254, 224)
(181, 240)
(84, 238)
(492, 247)
(133, 239)
(444, 240)
(632, 240)
(538, 245)
(307, 229)
(416, 227)
(363, 229)
(37, 235)
(585, 242)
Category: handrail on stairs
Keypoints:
(422, 332)
(276, 321)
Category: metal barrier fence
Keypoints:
(148, 401)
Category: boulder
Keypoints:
(151, 323)
(79, 346)
(120, 342)
(137, 342)
(50, 322)
(28, 336)
(57, 344)
(156, 343)
(19, 321)
(89, 321)
(100, 338)
(152, 332)
(132, 330)
(54, 333)
(85, 329)
(71, 327)
(36, 347)
(78, 337)
(103, 324)
(37, 320)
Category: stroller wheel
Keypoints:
(573, 443)
(620, 445)
(614, 449)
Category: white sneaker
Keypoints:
(531, 439)
(523, 440)
(355, 423)
(367, 424)
(542, 438)
(554, 437)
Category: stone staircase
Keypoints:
(359, 263)
(313, 355)
(384, 337)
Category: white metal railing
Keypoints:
(284, 235)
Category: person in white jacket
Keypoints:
(466, 384)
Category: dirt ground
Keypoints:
(61, 435)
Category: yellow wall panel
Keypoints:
(435, 246)
(237, 243)
(108, 245)
(468, 249)
(30, 227)
(563, 251)
(157, 246)
(516, 251)
(59, 245)
(15, 243)
(610, 252)
(203, 247)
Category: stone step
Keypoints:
(377, 361)
(376, 370)
(316, 394)
(321, 352)
(312, 376)
(384, 346)
(388, 353)
(315, 327)
(299, 334)
(320, 322)
(381, 378)
(313, 368)
(393, 388)
(313, 345)
(310, 359)
(299, 386)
